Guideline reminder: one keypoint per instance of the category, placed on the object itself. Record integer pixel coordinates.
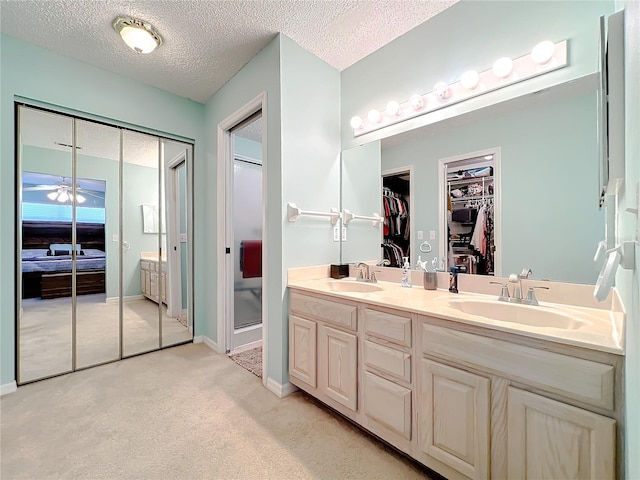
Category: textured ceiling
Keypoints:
(207, 41)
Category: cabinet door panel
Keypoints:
(549, 440)
(388, 404)
(337, 365)
(454, 418)
(302, 349)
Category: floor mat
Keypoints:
(250, 360)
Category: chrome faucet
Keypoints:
(365, 275)
(517, 279)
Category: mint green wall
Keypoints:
(310, 166)
(628, 281)
(301, 165)
(32, 72)
(551, 221)
(261, 74)
(470, 34)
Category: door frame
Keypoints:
(412, 222)
(224, 232)
(172, 190)
(497, 202)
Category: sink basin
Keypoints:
(346, 286)
(535, 316)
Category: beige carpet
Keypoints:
(250, 360)
(181, 413)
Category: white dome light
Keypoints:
(543, 52)
(356, 122)
(441, 90)
(470, 79)
(503, 67)
(393, 108)
(137, 34)
(416, 101)
(374, 116)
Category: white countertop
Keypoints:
(602, 329)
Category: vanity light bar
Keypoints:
(545, 57)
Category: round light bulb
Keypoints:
(393, 108)
(374, 116)
(503, 67)
(52, 195)
(543, 52)
(441, 90)
(416, 101)
(138, 39)
(63, 197)
(470, 79)
(356, 122)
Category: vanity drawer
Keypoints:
(575, 378)
(388, 404)
(388, 326)
(387, 360)
(330, 311)
(144, 265)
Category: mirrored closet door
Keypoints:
(104, 262)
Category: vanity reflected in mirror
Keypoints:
(98, 281)
(546, 200)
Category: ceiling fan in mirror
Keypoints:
(60, 191)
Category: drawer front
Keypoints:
(575, 378)
(388, 360)
(388, 404)
(145, 265)
(326, 310)
(387, 326)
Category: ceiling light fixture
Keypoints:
(137, 34)
(545, 57)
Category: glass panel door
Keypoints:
(140, 235)
(97, 192)
(44, 260)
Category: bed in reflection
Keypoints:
(46, 259)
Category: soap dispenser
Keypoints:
(406, 273)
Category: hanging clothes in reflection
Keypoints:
(482, 239)
(392, 252)
(396, 223)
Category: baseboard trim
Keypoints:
(8, 388)
(130, 298)
(207, 341)
(248, 346)
(280, 390)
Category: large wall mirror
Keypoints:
(93, 284)
(549, 212)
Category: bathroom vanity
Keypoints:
(535, 396)
(153, 277)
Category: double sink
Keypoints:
(541, 316)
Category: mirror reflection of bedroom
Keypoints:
(104, 267)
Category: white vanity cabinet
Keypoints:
(323, 350)
(545, 413)
(464, 400)
(153, 280)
